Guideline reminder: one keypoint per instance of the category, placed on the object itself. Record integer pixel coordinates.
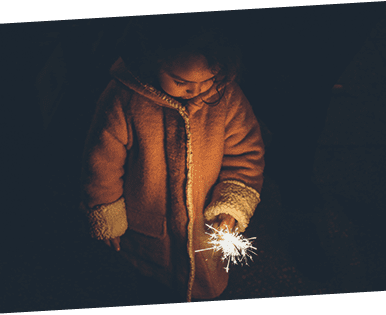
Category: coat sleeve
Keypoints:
(104, 158)
(241, 177)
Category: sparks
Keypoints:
(235, 247)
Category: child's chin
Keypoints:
(183, 98)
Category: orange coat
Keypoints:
(155, 171)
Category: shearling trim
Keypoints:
(189, 202)
(189, 193)
(108, 221)
(233, 198)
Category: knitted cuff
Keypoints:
(233, 198)
(108, 221)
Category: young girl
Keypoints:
(174, 144)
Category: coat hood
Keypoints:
(120, 72)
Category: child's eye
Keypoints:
(179, 83)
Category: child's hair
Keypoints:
(152, 42)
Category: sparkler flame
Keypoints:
(235, 247)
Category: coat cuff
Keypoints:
(108, 221)
(233, 198)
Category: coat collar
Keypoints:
(120, 72)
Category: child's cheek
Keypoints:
(166, 86)
(172, 90)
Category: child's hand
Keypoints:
(114, 242)
(223, 221)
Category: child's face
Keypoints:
(186, 78)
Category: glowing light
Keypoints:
(235, 247)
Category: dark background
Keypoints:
(52, 75)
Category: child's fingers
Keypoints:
(116, 241)
(231, 223)
(223, 226)
(224, 221)
(227, 221)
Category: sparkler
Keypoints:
(235, 247)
